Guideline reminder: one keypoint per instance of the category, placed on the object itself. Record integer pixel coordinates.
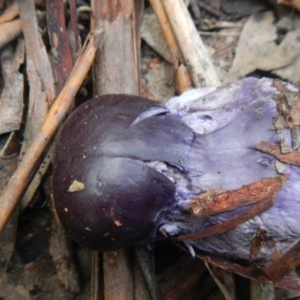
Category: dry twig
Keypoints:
(182, 76)
(12, 192)
(194, 52)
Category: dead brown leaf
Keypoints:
(257, 48)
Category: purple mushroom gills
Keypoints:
(128, 170)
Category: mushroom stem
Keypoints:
(144, 257)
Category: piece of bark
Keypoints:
(261, 194)
(61, 51)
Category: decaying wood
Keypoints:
(193, 50)
(181, 73)
(261, 194)
(18, 182)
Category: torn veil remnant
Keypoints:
(197, 169)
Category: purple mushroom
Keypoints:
(126, 170)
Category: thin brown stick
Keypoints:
(12, 192)
(182, 76)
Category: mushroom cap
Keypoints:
(105, 194)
